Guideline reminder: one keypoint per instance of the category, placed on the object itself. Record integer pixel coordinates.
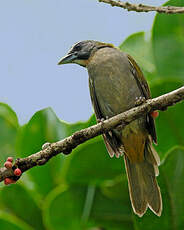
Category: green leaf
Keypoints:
(63, 208)
(168, 43)
(111, 207)
(80, 125)
(10, 222)
(79, 207)
(8, 126)
(43, 127)
(15, 198)
(71, 128)
(172, 189)
(8, 115)
(139, 46)
(169, 124)
(91, 164)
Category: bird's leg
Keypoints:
(17, 172)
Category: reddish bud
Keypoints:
(10, 159)
(8, 164)
(17, 172)
(8, 181)
(155, 114)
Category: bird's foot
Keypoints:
(17, 172)
(139, 100)
(100, 120)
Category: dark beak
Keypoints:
(69, 58)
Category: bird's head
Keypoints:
(81, 52)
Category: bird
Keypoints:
(116, 82)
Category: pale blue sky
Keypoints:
(34, 34)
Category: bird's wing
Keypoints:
(112, 144)
(143, 85)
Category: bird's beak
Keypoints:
(69, 58)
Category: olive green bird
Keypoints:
(115, 82)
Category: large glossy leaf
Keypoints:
(79, 207)
(91, 164)
(169, 124)
(111, 207)
(63, 208)
(73, 127)
(168, 43)
(19, 201)
(172, 188)
(139, 46)
(43, 127)
(8, 126)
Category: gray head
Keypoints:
(81, 52)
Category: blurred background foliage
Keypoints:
(87, 189)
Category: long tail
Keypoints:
(143, 188)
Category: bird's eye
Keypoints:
(77, 47)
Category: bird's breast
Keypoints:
(115, 87)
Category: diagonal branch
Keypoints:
(66, 145)
(145, 8)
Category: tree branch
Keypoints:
(145, 8)
(66, 145)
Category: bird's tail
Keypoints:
(143, 188)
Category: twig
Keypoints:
(145, 8)
(66, 145)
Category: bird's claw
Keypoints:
(139, 100)
(100, 120)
